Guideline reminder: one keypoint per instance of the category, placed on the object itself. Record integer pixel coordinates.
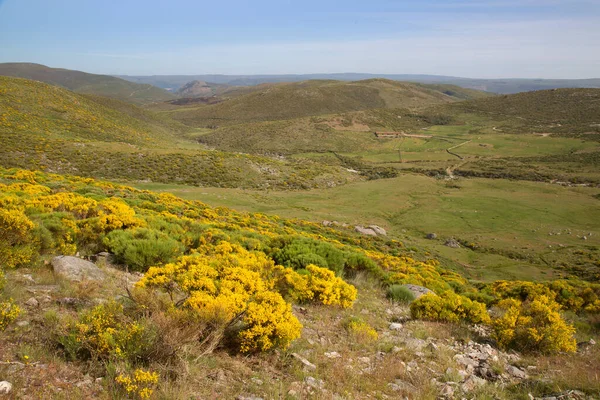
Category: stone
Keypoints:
(76, 270)
(333, 354)
(417, 290)
(304, 361)
(431, 236)
(365, 231)
(5, 387)
(447, 391)
(378, 230)
(32, 302)
(516, 372)
(240, 397)
(395, 326)
(327, 223)
(256, 381)
(314, 383)
(365, 360)
(22, 323)
(453, 243)
(465, 360)
(472, 383)
(415, 344)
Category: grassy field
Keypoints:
(515, 229)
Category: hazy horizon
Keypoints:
(477, 39)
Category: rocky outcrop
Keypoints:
(417, 290)
(365, 231)
(76, 270)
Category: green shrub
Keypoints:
(299, 252)
(141, 248)
(400, 294)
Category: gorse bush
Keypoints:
(360, 330)
(17, 243)
(534, 325)
(103, 333)
(140, 383)
(400, 294)
(449, 307)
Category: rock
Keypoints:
(333, 354)
(5, 387)
(365, 231)
(415, 344)
(240, 397)
(76, 270)
(417, 290)
(378, 230)
(472, 383)
(304, 361)
(256, 381)
(395, 326)
(453, 243)
(327, 223)
(447, 391)
(32, 302)
(22, 324)
(314, 383)
(365, 360)
(516, 372)
(431, 236)
(465, 360)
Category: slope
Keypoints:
(310, 98)
(51, 128)
(82, 82)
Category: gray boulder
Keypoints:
(452, 243)
(76, 270)
(417, 290)
(365, 231)
(431, 236)
(378, 230)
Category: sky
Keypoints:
(468, 38)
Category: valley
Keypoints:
(242, 241)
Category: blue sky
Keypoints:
(471, 38)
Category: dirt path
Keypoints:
(454, 147)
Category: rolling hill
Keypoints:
(501, 86)
(53, 129)
(312, 98)
(82, 82)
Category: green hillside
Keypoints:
(50, 128)
(82, 82)
(310, 98)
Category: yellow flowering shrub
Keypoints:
(533, 326)
(17, 245)
(8, 313)
(103, 332)
(140, 383)
(226, 283)
(449, 307)
(268, 322)
(361, 331)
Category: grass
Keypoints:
(508, 223)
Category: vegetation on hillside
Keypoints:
(81, 82)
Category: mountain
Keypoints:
(502, 86)
(201, 89)
(82, 82)
(312, 98)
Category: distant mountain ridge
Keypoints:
(84, 83)
(502, 86)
